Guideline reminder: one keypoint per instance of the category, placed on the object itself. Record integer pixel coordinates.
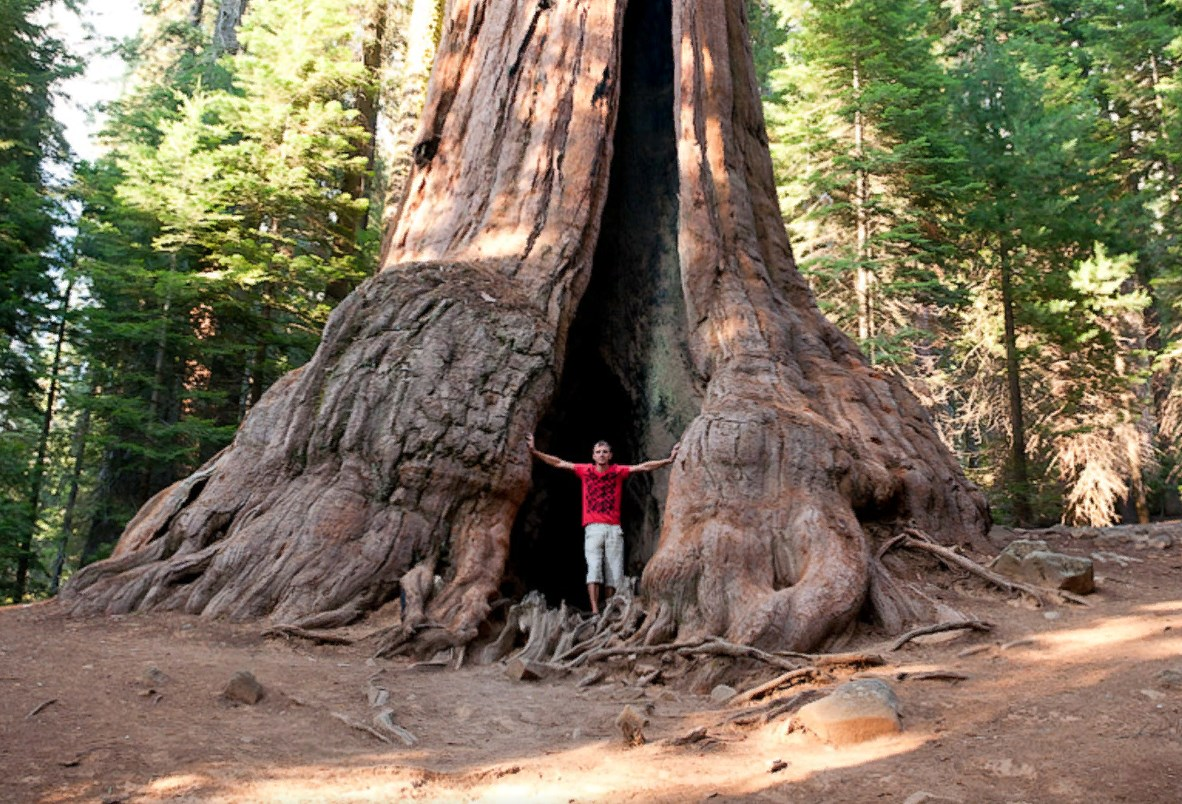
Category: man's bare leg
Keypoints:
(593, 593)
(608, 591)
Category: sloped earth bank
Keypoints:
(1063, 703)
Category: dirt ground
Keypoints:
(1066, 703)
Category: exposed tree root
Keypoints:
(318, 637)
(975, 625)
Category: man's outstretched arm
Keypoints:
(648, 466)
(557, 463)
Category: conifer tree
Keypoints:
(869, 174)
(32, 61)
(1131, 52)
(1030, 346)
(215, 231)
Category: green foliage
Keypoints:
(32, 62)
(869, 175)
(921, 150)
(218, 233)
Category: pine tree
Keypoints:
(1030, 347)
(219, 233)
(32, 61)
(868, 173)
(1131, 54)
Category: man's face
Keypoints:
(602, 455)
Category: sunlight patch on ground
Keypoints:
(594, 772)
(1162, 606)
(1140, 638)
(807, 756)
(178, 784)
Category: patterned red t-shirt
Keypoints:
(601, 492)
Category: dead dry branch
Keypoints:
(939, 628)
(919, 541)
(801, 675)
(296, 632)
(771, 710)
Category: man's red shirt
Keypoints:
(601, 492)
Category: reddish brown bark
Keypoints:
(398, 452)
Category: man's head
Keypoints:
(601, 454)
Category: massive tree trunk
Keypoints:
(590, 245)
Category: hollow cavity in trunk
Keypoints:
(626, 376)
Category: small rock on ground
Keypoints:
(1031, 561)
(722, 693)
(243, 687)
(631, 724)
(1170, 679)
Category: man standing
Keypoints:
(603, 538)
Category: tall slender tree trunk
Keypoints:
(258, 364)
(78, 454)
(529, 282)
(356, 183)
(1021, 474)
(33, 505)
(864, 279)
(416, 49)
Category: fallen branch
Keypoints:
(805, 673)
(39, 707)
(825, 661)
(771, 710)
(361, 727)
(975, 625)
(318, 637)
(931, 675)
(385, 719)
(429, 664)
(718, 647)
(917, 540)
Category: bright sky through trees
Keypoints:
(91, 34)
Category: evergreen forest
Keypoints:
(984, 195)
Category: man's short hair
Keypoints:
(602, 444)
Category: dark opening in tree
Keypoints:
(627, 378)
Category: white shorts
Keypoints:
(600, 541)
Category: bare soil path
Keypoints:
(1058, 704)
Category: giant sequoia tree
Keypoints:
(590, 245)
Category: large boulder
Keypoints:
(1031, 561)
(854, 712)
